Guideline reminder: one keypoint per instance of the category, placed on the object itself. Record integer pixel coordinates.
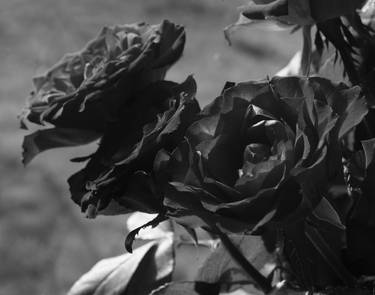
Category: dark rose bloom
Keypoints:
(86, 90)
(118, 177)
(261, 153)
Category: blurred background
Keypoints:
(45, 242)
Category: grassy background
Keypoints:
(45, 244)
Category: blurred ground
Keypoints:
(45, 244)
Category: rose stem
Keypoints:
(243, 262)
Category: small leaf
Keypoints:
(151, 263)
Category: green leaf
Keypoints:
(151, 263)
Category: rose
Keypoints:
(118, 177)
(262, 153)
(88, 89)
